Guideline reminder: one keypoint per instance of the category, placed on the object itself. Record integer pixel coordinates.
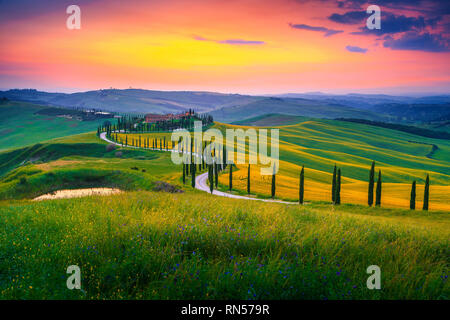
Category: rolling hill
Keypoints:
(132, 100)
(319, 144)
(368, 101)
(271, 120)
(23, 124)
(293, 107)
(144, 244)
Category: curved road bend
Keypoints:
(200, 180)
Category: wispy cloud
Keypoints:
(327, 32)
(240, 42)
(356, 49)
(230, 41)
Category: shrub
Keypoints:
(166, 187)
(119, 154)
(110, 147)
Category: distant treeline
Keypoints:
(82, 115)
(412, 112)
(400, 127)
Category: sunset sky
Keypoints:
(238, 46)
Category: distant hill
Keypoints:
(23, 124)
(268, 120)
(132, 100)
(293, 107)
(235, 107)
(367, 101)
(413, 112)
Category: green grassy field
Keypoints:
(79, 161)
(20, 126)
(143, 244)
(146, 245)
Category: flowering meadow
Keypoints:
(194, 245)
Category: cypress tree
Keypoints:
(248, 179)
(224, 155)
(193, 175)
(426, 194)
(216, 174)
(378, 191)
(333, 186)
(412, 201)
(273, 183)
(187, 166)
(231, 177)
(337, 198)
(210, 177)
(301, 189)
(371, 184)
(184, 174)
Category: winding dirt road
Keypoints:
(200, 180)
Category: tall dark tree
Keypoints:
(337, 198)
(187, 165)
(333, 186)
(184, 174)
(412, 200)
(193, 175)
(378, 191)
(224, 155)
(301, 189)
(273, 182)
(248, 179)
(426, 193)
(211, 179)
(216, 174)
(371, 184)
(231, 177)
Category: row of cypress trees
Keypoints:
(213, 170)
(412, 201)
(336, 187)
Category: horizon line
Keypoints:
(266, 94)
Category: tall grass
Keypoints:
(198, 246)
